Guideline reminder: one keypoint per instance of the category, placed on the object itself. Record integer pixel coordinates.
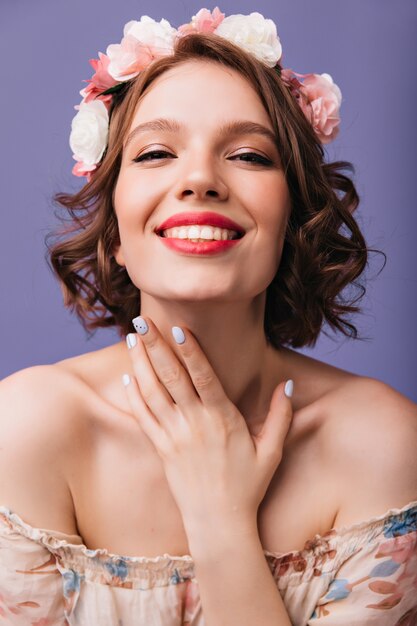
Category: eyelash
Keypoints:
(260, 159)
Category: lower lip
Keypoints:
(191, 247)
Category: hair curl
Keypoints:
(318, 261)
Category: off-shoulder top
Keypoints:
(364, 574)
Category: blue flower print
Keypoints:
(71, 582)
(338, 589)
(401, 524)
(117, 569)
(176, 578)
(386, 568)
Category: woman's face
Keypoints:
(196, 167)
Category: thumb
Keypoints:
(270, 440)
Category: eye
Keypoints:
(145, 157)
(253, 155)
(250, 157)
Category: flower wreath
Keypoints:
(144, 41)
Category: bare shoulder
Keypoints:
(41, 427)
(370, 442)
(38, 400)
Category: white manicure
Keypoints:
(131, 340)
(289, 388)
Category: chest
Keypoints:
(123, 501)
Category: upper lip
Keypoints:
(200, 217)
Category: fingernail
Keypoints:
(126, 379)
(289, 388)
(131, 340)
(178, 334)
(140, 325)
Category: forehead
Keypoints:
(201, 92)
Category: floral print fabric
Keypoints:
(365, 574)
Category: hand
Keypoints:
(214, 466)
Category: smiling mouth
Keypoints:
(191, 245)
(199, 240)
(206, 225)
(194, 234)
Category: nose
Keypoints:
(200, 178)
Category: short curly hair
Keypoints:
(318, 260)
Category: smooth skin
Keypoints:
(74, 440)
(219, 298)
(217, 471)
(213, 464)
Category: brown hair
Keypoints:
(318, 260)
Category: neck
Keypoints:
(232, 337)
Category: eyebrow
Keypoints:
(234, 128)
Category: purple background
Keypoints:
(368, 46)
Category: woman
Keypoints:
(230, 480)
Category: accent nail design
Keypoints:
(140, 325)
(178, 334)
(289, 388)
(126, 379)
(131, 340)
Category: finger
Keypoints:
(141, 413)
(166, 365)
(203, 377)
(270, 441)
(153, 393)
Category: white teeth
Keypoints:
(194, 233)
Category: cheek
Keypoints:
(270, 189)
(136, 195)
(130, 204)
(119, 199)
(273, 206)
(124, 195)
(272, 217)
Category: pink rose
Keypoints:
(80, 169)
(290, 78)
(203, 22)
(319, 99)
(128, 58)
(324, 98)
(100, 81)
(143, 42)
(295, 86)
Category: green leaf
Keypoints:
(112, 90)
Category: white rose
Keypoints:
(253, 33)
(89, 132)
(154, 34)
(142, 42)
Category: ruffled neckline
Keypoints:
(318, 544)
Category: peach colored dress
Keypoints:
(365, 574)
